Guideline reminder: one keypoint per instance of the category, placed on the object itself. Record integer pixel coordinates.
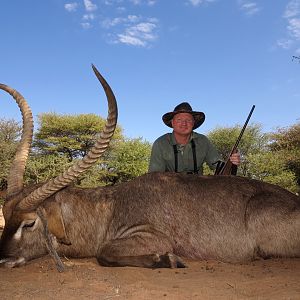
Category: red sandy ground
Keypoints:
(85, 279)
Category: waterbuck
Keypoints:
(152, 221)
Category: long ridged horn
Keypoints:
(39, 195)
(17, 169)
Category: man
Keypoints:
(184, 150)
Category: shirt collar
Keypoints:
(173, 140)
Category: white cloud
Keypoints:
(195, 2)
(294, 28)
(140, 34)
(151, 2)
(249, 7)
(292, 15)
(121, 9)
(198, 2)
(133, 18)
(142, 28)
(292, 9)
(107, 23)
(284, 43)
(71, 6)
(89, 5)
(130, 40)
(86, 25)
(88, 17)
(147, 2)
(112, 2)
(131, 30)
(108, 2)
(128, 29)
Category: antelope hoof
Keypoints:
(169, 260)
(12, 263)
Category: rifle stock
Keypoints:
(228, 168)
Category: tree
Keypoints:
(128, 159)
(287, 141)
(269, 166)
(10, 132)
(270, 157)
(64, 136)
(253, 141)
(41, 168)
(71, 135)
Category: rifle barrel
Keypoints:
(242, 131)
(227, 166)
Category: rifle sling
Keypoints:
(175, 157)
(194, 157)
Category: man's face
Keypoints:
(183, 123)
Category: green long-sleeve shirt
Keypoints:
(163, 158)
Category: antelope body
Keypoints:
(152, 221)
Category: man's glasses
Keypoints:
(187, 121)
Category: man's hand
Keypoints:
(235, 158)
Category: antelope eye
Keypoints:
(29, 224)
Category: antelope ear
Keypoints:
(56, 223)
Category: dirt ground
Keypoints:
(85, 279)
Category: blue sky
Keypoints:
(222, 56)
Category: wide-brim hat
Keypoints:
(184, 107)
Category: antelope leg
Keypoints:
(146, 252)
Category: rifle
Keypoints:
(228, 168)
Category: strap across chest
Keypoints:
(194, 157)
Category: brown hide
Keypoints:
(55, 221)
(231, 219)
